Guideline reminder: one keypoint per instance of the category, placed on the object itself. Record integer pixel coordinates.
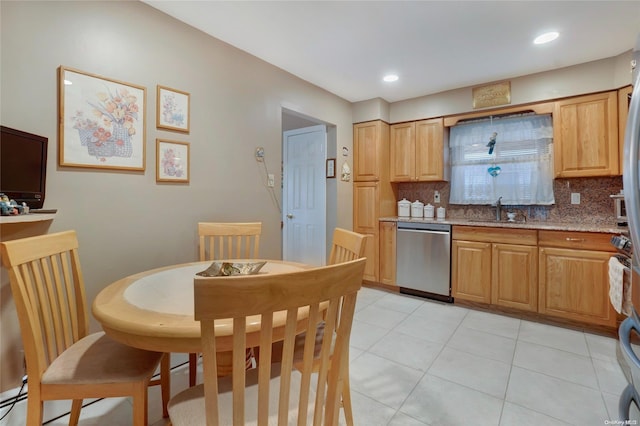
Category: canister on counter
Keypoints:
(441, 213)
(428, 211)
(417, 209)
(404, 208)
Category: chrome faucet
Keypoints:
(498, 210)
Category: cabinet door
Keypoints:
(429, 154)
(366, 199)
(402, 152)
(471, 271)
(514, 281)
(366, 151)
(624, 98)
(585, 131)
(388, 252)
(574, 284)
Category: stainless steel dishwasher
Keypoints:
(423, 259)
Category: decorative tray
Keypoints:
(226, 269)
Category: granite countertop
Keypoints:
(546, 225)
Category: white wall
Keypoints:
(126, 222)
(606, 74)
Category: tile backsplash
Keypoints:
(596, 205)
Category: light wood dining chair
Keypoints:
(272, 393)
(219, 240)
(346, 246)
(65, 361)
(225, 240)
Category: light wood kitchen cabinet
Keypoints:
(366, 200)
(373, 194)
(495, 266)
(471, 271)
(417, 151)
(585, 136)
(388, 252)
(574, 280)
(624, 98)
(370, 151)
(514, 276)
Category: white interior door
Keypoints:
(304, 195)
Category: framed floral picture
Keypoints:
(101, 121)
(172, 110)
(172, 161)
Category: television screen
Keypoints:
(23, 166)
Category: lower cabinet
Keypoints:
(471, 271)
(514, 276)
(388, 252)
(487, 266)
(574, 277)
(366, 200)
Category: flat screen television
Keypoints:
(23, 166)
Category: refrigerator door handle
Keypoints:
(625, 340)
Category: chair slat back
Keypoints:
(229, 240)
(278, 297)
(48, 290)
(347, 245)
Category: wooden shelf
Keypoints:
(24, 218)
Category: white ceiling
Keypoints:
(346, 47)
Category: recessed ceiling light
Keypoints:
(546, 37)
(389, 78)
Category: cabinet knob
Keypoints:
(289, 216)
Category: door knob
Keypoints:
(289, 216)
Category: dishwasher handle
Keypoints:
(424, 231)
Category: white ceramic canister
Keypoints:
(404, 208)
(417, 209)
(440, 212)
(428, 211)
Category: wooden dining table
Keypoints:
(153, 310)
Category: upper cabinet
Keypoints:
(417, 151)
(585, 133)
(369, 147)
(624, 98)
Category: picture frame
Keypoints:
(331, 168)
(173, 161)
(172, 109)
(101, 122)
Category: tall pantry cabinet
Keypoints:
(373, 194)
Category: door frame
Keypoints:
(292, 120)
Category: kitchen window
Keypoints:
(509, 157)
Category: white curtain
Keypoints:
(520, 168)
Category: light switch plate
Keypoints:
(575, 198)
(270, 180)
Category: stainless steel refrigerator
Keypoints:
(629, 330)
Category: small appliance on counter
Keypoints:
(620, 208)
(404, 208)
(417, 209)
